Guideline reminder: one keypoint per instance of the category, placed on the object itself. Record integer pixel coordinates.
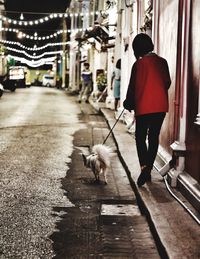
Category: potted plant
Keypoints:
(101, 82)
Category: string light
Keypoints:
(34, 48)
(34, 56)
(9, 29)
(34, 37)
(47, 37)
(33, 63)
(45, 18)
(23, 22)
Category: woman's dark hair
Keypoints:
(142, 44)
(118, 64)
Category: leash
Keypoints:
(113, 126)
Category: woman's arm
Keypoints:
(129, 101)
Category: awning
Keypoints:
(98, 33)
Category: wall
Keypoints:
(128, 32)
(192, 163)
(176, 20)
(166, 45)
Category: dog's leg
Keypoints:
(104, 171)
(84, 159)
(96, 175)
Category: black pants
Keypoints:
(148, 125)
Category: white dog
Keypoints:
(99, 161)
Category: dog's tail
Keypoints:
(104, 153)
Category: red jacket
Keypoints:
(148, 86)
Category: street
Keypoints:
(50, 206)
(37, 130)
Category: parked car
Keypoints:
(17, 76)
(48, 80)
(7, 83)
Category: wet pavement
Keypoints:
(106, 221)
(50, 206)
(35, 144)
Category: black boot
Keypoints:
(145, 176)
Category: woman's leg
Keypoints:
(140, 137)
(155, 124)
(116, 103)
(87, 91)
(116, 93)
(149, 124)
(142, 149)
(81, 92)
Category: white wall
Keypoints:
(128, 32)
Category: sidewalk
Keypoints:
(104, 221)
(173, 228)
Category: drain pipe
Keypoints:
(164, 172)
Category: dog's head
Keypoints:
(90, 160)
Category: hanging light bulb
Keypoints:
(20, 35)
(21, 16)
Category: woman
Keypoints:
(116, 77)
(147, 95)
